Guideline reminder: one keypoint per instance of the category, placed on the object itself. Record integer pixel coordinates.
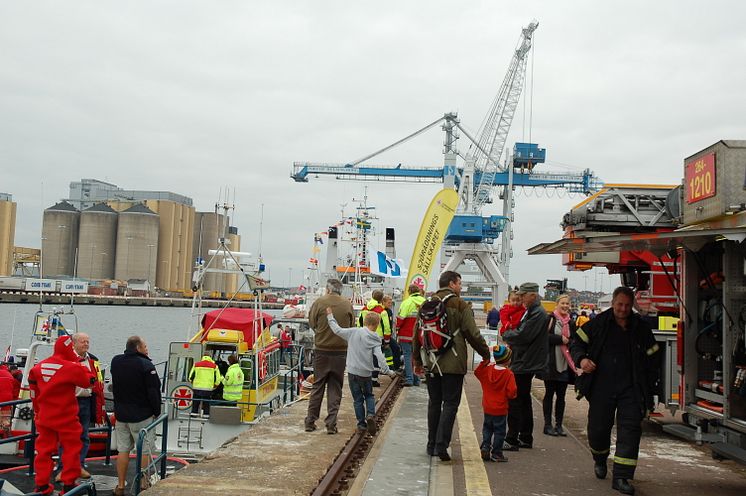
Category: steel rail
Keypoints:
(337, 479)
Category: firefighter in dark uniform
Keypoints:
(616, 352)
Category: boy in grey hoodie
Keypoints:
(362, 344)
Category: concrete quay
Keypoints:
(276, 456)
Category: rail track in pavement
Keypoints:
(344, 469)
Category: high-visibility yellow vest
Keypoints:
(205, 375)
(233, 383)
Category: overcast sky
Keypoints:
(192, 97)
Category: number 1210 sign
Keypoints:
(699, 178)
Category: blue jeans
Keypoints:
(493, 433)
(410, 378)
(362, 397)
(84, 415)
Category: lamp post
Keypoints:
(90, 266)
(59, 247)
(101, 272)
(127, 263)
(150, 261)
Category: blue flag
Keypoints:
(386, 266)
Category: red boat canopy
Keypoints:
(246, 320)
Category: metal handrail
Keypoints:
(85, 487)
(163, 419)
(29, 449)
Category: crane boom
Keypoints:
(496, 125)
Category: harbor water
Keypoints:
(108, 326)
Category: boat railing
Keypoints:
(29, 438)
(108, 428)
(291, 379)
(139, 471)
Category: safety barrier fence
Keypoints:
(139, 471)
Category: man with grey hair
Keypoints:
(530, 346)
(329, 355)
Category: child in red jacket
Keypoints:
(498, 386)
(511, 313)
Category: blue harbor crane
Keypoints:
(472, 236)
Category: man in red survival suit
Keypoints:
(52, 382)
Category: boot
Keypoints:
(600, 469)
(623, 486)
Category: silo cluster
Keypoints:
(100, 243)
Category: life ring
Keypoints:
(263, 366)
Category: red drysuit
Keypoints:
(52, 382)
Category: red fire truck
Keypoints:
(688, 267)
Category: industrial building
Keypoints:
(153, 236)
(7, 233)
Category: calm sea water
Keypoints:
(108, 326)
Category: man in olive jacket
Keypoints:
(329, 355)
(530, 346)
(446, 381)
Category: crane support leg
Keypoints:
(484, 257)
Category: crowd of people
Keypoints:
(609, 358)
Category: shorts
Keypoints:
(127, 434)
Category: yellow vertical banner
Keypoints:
(432, 232)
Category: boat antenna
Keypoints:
(41, 249)
(261, 227)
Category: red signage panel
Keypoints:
(699, 178)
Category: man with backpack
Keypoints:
(446, 324)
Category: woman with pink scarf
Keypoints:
(560, 368)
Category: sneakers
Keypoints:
(560, 431)
(549, 430)
(371, 423)
(332, 429)
(44, 490)
(310, 427)
(498, 458)
(84, 474)
(509, 447)
(623, 486)
(525, 445)
(485, 455)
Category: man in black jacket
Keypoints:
(529, 343)
(137, 402)
(616, 352)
